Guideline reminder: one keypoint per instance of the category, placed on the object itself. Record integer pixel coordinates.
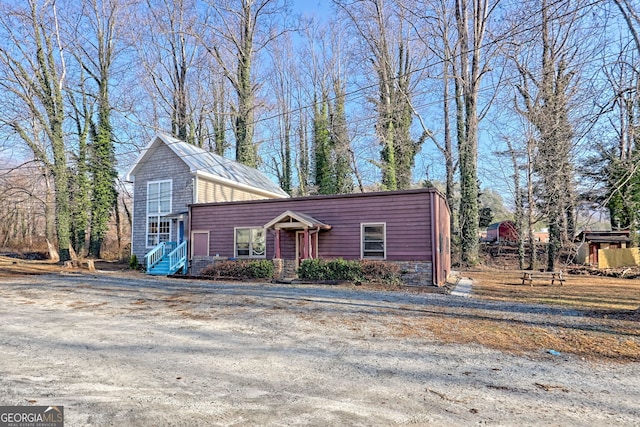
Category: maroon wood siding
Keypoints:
(442, 243)
(407, 215)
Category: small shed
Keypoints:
(590, 241)
(504, 231)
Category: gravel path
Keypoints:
(134, 351)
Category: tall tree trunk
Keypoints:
(471, 26)
(38, 87)
(340, 142)
(98, 61)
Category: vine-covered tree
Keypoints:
(32, 75)
(546, 93)
(340, 142)
(322, 163)
(386, 39)
(97, 44)
(470, 66)
(242, 30)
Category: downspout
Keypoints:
(189, 239)
(435, 270)
(194, 199)
(194, 184)
(133, 218)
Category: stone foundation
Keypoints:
(199, 263)
(416, 273)
(284, 269)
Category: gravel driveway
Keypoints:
(126, 350)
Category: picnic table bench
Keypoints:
(553, 276)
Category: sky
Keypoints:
(319, 8)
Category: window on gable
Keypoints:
(373, 241)
(159, 197)
(158, 205)
(250, 243)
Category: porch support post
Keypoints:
(277, 244)
(305, 242)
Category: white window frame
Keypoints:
(159, 214)
(251, 251)
(384, 241)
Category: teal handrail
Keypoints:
(177, 257)
(154, 256)
(175, 254)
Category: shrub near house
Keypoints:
(240, 270)
(353, 271)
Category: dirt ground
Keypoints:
(119, 348)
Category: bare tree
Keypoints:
(283, 82)
(631, 14)
(621, 157)
(386, 38)
(241, 30)
(22, 214)
(32, 75)
(169, 54)
(435, 26)
(547, 88)
(97, 43)
(469, 68)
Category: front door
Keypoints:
(200, 243)
(593, 254)
(312, 246)
(180, 231)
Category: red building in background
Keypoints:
(499, 232)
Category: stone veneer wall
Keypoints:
(284, 269)
(416, 273)
(199, 263)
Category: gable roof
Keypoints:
(295, 220)
(616, 236)
(210, 165)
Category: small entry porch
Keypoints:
(306, 230)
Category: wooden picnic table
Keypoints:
(552, 276)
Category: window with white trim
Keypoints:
(250, 243)
(373, 241)
(158, 206)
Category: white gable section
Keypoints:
(212, 167)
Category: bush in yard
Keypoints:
(133, 262)
(376, 271)
(353, 271)
(335, 269)
(345, 270)
(313, 269)
(262, 269)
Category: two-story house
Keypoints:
(168, 176)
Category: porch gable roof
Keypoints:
(295, 220)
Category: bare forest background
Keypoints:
(533, 101)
